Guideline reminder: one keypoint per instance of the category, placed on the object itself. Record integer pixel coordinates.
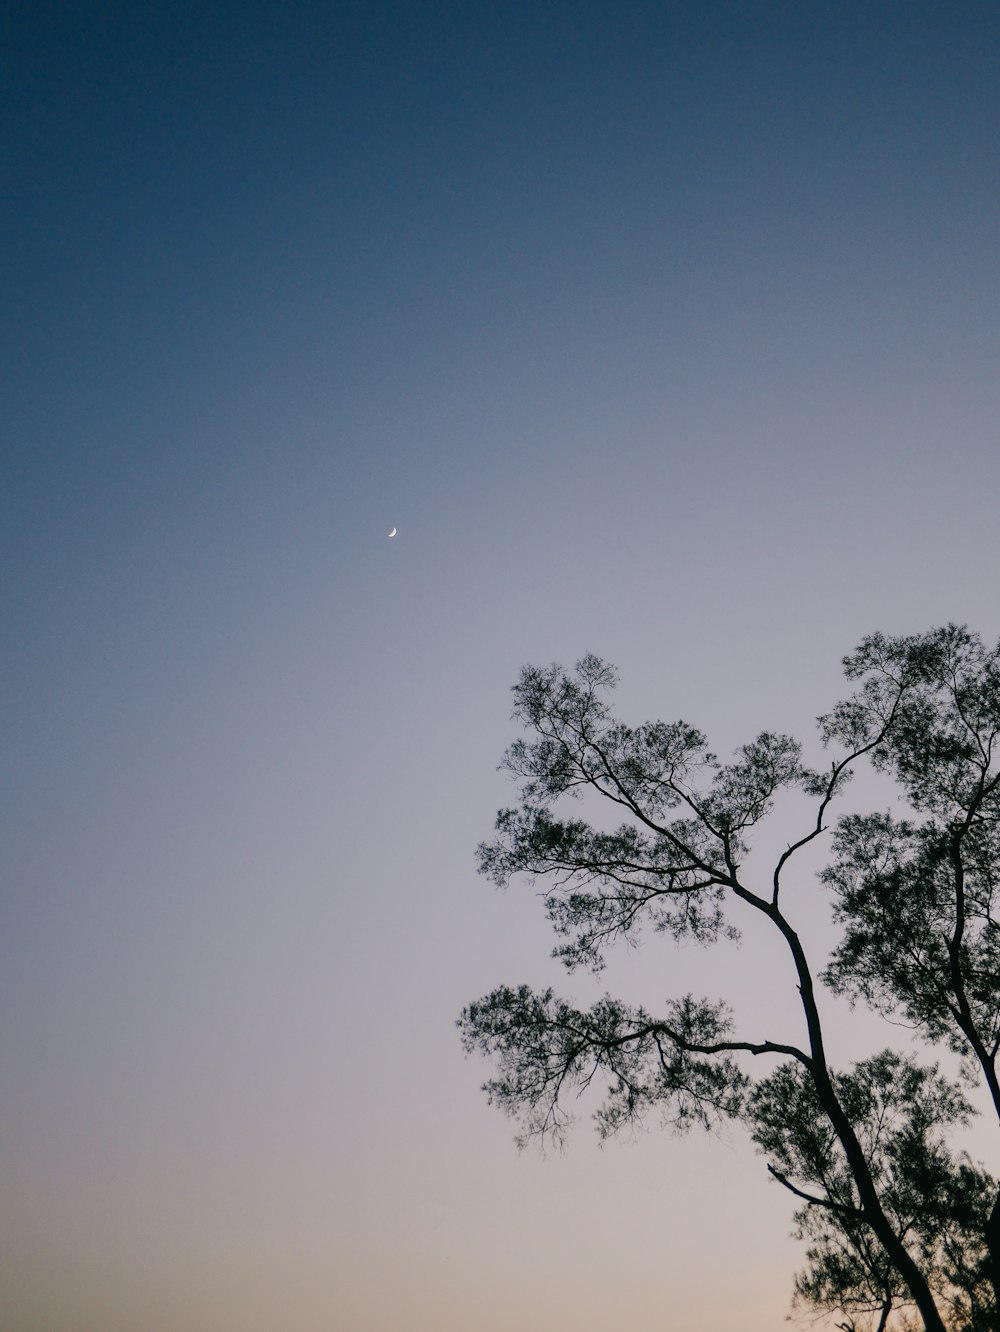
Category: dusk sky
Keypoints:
(669, 332)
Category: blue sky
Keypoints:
(667, 332)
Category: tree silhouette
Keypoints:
(938, 1203)
(897, 1226)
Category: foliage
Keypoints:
(893, 1220)
(937, 1202)
(543, 1047)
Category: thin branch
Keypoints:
(831, 786)
(810, 1198)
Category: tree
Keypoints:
(893, 1219)
(936, 1202)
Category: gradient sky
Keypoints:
(669, 332)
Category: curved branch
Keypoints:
(813, 1201)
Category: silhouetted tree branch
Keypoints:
(892, 1219)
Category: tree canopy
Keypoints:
(900, 1228)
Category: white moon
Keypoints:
(393, 532)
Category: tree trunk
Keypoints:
(871, 1204)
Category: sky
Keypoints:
(667, 332)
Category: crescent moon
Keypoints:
(393, 532)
